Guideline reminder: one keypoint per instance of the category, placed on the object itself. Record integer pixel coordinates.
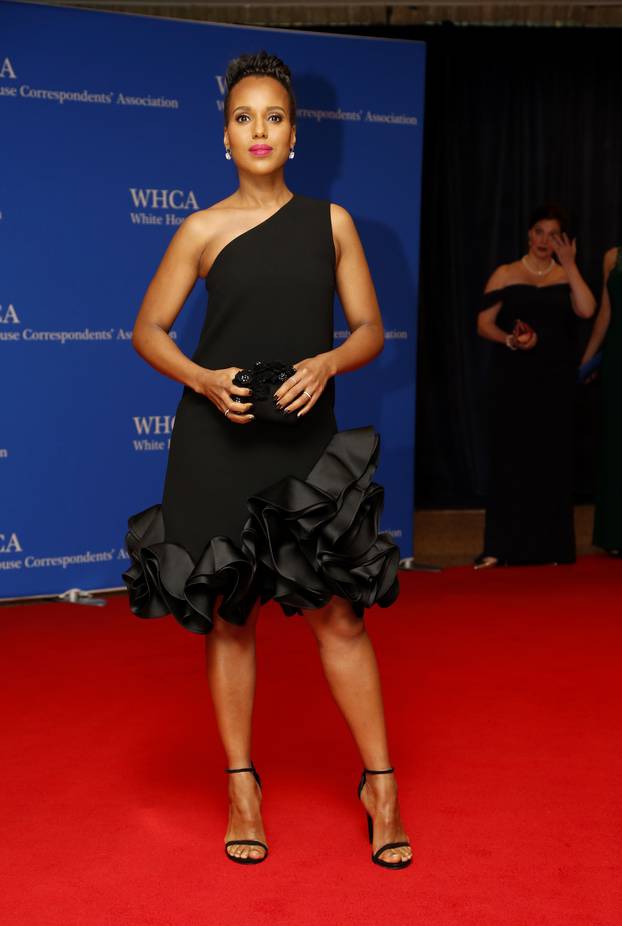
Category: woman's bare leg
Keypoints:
(349, 663)
(230, 658)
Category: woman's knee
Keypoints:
(224, 630)
(336, 624)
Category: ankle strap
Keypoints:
(251, 768)
(371, 771)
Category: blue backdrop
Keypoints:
(112, 134)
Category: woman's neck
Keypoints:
(262, 192)
(538, 264)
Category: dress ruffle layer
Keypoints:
(304, 541)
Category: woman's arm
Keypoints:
(583, 302)
(487, 319)
(604, 313)
(163, 301)
(360, 305)
(357, 296)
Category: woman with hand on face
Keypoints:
(264, 498)
(608, 331)
(529, 311)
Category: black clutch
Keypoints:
(264, 378)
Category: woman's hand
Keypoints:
(523, 336)
(565, 249)
(217, 386)
(301, 391)
(526, 341)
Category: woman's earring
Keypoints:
(291, 153)
(228, 153)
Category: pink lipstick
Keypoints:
(260, 150)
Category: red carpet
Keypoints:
(503, 695)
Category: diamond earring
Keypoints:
(228, 153)
(291, 153)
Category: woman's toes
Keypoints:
(246, 852)
(403, 854)
(391, 856)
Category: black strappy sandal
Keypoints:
(375, 856)
(246, 842)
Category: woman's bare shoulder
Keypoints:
(502, 276)
(611, 258)
(339, 212)
(200, 228)
(209, 217)
(341, 220)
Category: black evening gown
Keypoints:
(529, 515)
(264, 510)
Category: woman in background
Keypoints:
(529, 310)
(608, 329)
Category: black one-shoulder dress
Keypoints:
(529, 515)
(265, 510)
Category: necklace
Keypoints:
(539, 273)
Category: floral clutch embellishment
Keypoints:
(264, 378)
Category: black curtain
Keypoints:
(514, 116)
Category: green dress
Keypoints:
(608, 514)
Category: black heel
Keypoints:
(246, 842)
(375, 856)
(370, 829)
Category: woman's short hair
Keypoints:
(551, 211)
(260, 64)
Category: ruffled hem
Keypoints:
(304, 541)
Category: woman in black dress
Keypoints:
(277, 505)
(529, 307)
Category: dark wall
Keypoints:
(514, 116)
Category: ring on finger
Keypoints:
(227, 412)
(304, 391)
